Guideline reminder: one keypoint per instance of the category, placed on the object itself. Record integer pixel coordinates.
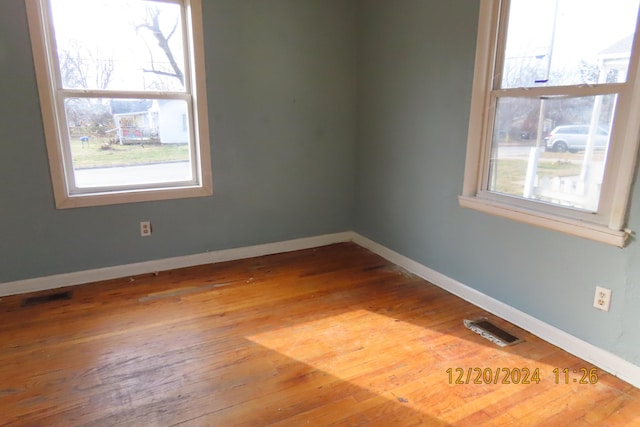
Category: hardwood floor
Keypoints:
(328, 336)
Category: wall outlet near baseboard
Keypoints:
(602, 298)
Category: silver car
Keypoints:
(574, 138)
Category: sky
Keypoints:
(583, 28)
(107, 27)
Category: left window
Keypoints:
(123, 99)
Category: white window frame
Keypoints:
(55, 128)
(607, 225)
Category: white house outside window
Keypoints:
(123, 101)
(554, 128)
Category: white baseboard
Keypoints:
(607, 361)
(96, 275)
(604, 360)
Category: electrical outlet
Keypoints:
(602, 299)
(145, 228)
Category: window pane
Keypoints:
(557, 156)
(568, 42)
(119, 44)
(121, 142)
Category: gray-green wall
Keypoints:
(415, 86)
(326, 116)
(282, 110)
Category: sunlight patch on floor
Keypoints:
(369, 360)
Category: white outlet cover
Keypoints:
(602, 298)
(145, 228)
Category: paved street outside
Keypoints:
(127, 175)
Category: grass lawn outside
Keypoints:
(511, 173)
(99, 153)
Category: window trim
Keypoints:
(46, 76)
(608, 224)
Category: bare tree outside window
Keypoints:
(151, 25)
(82, 67)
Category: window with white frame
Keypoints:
(123, 99)
(554, 129)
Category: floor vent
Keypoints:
(491, 332)
(41, 299)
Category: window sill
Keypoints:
(64, 201)
(596, 232)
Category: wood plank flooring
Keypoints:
(328, 336)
